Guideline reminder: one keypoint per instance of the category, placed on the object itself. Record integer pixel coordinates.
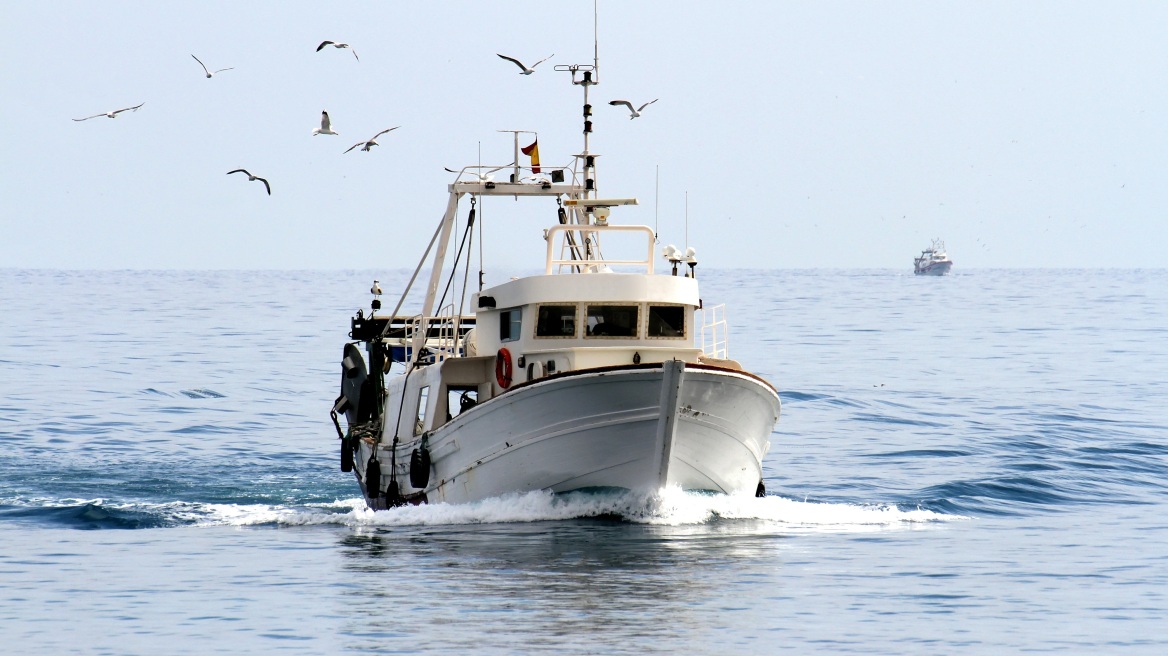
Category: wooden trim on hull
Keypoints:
(689, 366)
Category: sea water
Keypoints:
(969, 464)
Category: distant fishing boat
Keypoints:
(933, 261)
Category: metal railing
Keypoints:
(594, 263)
(441, 334)
(715, 332)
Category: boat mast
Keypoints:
(589, 80)
(588, 76)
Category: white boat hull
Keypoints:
(935, 269)
(636, 428)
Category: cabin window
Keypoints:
(666, 321)
(459, 399)
(556, 321)
(612, 320)
(423, 397)
(510, 324)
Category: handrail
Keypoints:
(441, 334)
(447, 342)
(715, 333)
(552, 261)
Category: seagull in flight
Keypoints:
(366, 145)
(483, 177)
(209, 72)
(253, 178)
(524, 70)
(112, 114)
(634, 111)
(326, 126)
(337, 45)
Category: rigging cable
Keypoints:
(573, 250)
(479, 171)
(480, 256)
(466, 271)
(458, 255)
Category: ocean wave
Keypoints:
(791, 397)
(1001, 495)
(202, 393)
(93, 514)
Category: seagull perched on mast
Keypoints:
(524, 70)
(326, 126)
(337, 45)
(111, 114)
(208, 72)
(366, 145)
(635, 111)
(253, 178)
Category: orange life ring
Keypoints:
(503, 369)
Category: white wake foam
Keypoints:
(671, 507)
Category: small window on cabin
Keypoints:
(423, 398)
(509, 324)
(459, 399)
(612, 320)
(556, 321)
(666, 321)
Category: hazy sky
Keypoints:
(807, 134)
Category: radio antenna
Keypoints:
(596, 38)
(586, 75)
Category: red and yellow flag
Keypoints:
(533, 150)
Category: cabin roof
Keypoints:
(594, 287)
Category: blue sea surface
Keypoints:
(973, 464)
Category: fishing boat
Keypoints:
(600, 373)
(933, 261)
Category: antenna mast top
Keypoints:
(586, 76)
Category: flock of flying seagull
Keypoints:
(326, 123)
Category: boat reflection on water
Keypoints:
(578, 583)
